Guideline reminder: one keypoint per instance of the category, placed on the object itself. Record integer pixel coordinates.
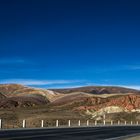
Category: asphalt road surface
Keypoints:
(86, 133)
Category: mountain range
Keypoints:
(91, 101)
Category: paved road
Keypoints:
(87, 133)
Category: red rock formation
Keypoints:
(128, 102)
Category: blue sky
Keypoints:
(58, 44)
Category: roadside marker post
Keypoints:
(118, 122)
(87, 122)
(104, 122)
(24, 124)
(95, 123)
(57, 123)
(131, 123)
(125, 122)
(79, 123)
(111, 122)
(42, 123)
(69, 123)
(0, 123)
(137, 123)
(104, 119)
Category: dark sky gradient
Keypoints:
(65, 43)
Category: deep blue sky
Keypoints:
(68, 43)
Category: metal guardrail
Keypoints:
(68, 123)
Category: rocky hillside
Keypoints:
(98, 90)
(95, 106)
(96, 101)
(92, 101)
(126, 102)
(2, 96)
(14, 95)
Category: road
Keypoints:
(86, 133)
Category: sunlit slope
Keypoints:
(22, 96)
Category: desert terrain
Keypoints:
(18, 102)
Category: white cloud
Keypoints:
(37, 82)
(118, 68)
(115, 85)
(133, 87)
(133, 67)
(137, 87)
(61, 83)
(127, 67)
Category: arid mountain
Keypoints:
(2, 96)
(126, 102)
(18, 102)
(98, 90)
(12, 90)
(92, 101)
(95, 106)
(96, 101)
(14, 95)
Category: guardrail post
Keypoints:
(118, 122)
(24, 124)
(69, 123)
(95, 123)
(79, 123)
(125, 122)
(104, 118)
(42, 123)
(87, 122)
(0, 123)
(111, 122)
(57, 123)
(104, 122)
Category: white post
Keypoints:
(104, 122)
(125, 122)
(87, 122)
(24, 123)
(79, 123)
(57, 123)
(118, 122)
(111, 122)
(42, 123)
(131, 123)
(104, 118)
(95, 123)
(137, 123)
(0, 123)
(69, 123)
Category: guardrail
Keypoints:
(67, 123)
